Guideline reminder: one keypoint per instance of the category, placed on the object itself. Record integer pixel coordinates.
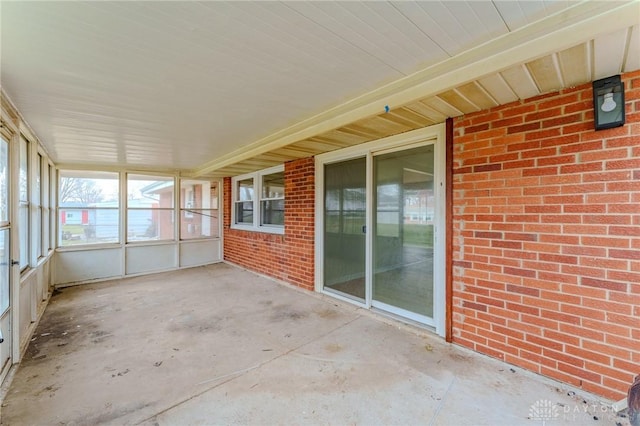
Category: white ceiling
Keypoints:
(177, 85)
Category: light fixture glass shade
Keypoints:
(608, 102)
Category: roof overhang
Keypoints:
(587, 41)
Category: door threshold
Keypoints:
(404, 320)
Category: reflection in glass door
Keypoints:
(344, 228)
(403, 232)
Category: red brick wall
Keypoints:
(288, 257)
(547, 238)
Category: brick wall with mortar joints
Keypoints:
(288, 257)
(547, 238)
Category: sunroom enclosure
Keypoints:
(70, 226)
(126, 223)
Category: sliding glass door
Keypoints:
(381, 233)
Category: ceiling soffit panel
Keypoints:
(477, 95)
(632, 61)
(575, 64)
(557, 50)
(546, 74)
(609, 51)
(185, 81)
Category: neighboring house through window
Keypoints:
(150, 208)
(89, 208)
(198, 209)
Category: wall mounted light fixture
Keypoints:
(608, 102)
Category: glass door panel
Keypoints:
(344, 227)
(6, 313)
(5, 260)
(403, 231)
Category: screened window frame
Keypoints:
(53, 218)
(24, 204)
(6, 222)
(237, 200)
(152, 176)
(192, 212)
(55, 200)
(258, 223)
(37, 229)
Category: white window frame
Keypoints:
(257, 225)
(24, 203)
(37, 230)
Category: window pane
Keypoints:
(88, 189)
(37, 231)
(37, 202)
(44, 238)
(4, 181)
(245, 190)
(199, 224)
(88, 207)
(199, 214)
(272, 212)
(88, 226)
(52, 201)
(149, 191)
(244, 212)
(196, 194)
(36, 185)
(149, 224)
(273, 185)
(23, 234)
(4, 270)
(23, 184)
(23, 209)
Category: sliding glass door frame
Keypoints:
(431, 135)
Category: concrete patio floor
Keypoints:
(220, 345)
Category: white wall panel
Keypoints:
(77, 266)
(45, 279)
(28, 304)
(140, 259)
(39, 289)
(194, 253)
(5, 348)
